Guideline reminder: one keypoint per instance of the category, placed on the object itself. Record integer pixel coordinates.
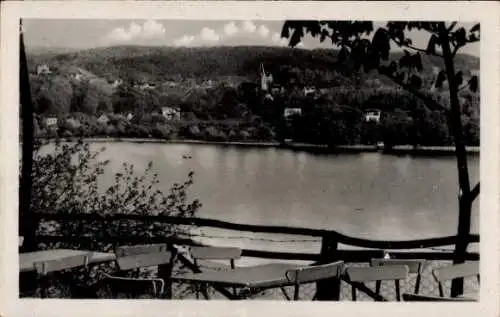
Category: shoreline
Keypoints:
(395, 150)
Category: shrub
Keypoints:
(161, 131)
(110, 130)
(245, 135)
(51, 133)
(194, 131)
(66, 180)
(66, 134)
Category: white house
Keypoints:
(103, 119)
(130, 116)
(292, 112)
(117, 83)
(309, 90)
(75, 123)
(269, 96)
(43, 69)
(372, 115)
(208, 84)
(277, 89)
(171, 84)
(78, 76)
(171, 113)
(51, 122)
(147, 86)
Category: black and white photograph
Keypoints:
(194, 160)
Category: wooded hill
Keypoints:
(334, 116)
(158, 64)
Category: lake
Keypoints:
(367, 195)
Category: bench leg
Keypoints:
(398, 292)
(283, 290)
(417, 284)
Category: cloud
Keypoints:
(119, 35)
(231, 33)
(148, 30)
(152, 28)
(249, 26)
(209, 35)
(134, 30)
(186, 40)
(231, 29)
(278, 40)
(263, 30)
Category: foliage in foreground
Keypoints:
(67, 180)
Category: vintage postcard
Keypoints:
(249, 158)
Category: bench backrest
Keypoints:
(377, 273)
(315, 272)
(72, 261)
(144, 260)
(414, 266)
(450, 272)
(215, 253)
(140, 249)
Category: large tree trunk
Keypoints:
(464, 201)
(27, 222)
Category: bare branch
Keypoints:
(474, 192)
(463, 87)
(453, 24)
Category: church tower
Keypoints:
(265, 80)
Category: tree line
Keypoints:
(245, 113)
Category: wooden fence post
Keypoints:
(165, 272)
(329, 289)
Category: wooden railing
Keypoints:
(330, 241)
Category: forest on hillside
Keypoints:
(169, 63)
(241, 112)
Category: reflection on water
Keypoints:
(367, 195)
(205, 157)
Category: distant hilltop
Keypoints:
(142, 63)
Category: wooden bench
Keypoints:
(202, 257)
(44, 268)
(314, 273)
(132, 259)
(451, 272)
(414, 267)
(361, 275)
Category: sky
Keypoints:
(86, 33)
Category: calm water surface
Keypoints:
(366, 195)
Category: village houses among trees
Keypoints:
(274, 101)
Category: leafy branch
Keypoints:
(429, 101)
